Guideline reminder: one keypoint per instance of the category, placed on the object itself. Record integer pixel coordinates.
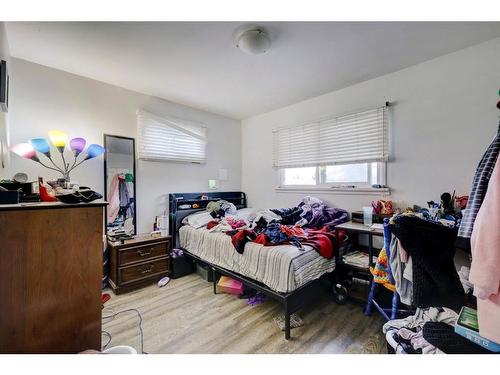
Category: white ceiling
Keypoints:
(197, 63)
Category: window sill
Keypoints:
(331, 190)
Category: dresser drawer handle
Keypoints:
(146, 270)
(144, 253)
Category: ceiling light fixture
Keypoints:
(253, 41)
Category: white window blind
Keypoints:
(170, 139)
(356, 138)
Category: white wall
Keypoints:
(4, 46)
(444, 117)
(4, 133)
(44, 98)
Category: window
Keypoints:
(360, 175)
(347, 150)
(346, 173)
(299, 176)
(170, 139)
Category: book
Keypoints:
(358, 259)
(467, 326)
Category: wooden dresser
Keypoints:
(138, 262)
(50, 277)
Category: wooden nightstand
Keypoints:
(138, 262)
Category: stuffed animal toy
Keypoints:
(382, 207)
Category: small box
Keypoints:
(9, 197)
(357, 217)
(468, 327)
(229, 285)
(205, 272)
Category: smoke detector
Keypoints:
(253, 41)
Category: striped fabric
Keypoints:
(282, 268)
(479, 186)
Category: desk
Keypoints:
(353, 231)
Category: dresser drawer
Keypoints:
(143, 270)
(142, 253)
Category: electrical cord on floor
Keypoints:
(108, 335)
(111, 316)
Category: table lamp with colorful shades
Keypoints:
(59, 140)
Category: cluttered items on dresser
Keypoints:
(18, 189)
(12, 192)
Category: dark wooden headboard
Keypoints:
(184, 204)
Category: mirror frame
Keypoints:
(105, 143)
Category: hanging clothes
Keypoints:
(479, 189)
(113, 199)
(402, 271)
(120, 197)
(485, 267)
(431, 248)
(123, 192)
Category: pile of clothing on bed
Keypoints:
(311, 223)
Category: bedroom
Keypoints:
(222, 187)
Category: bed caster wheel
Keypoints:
(340, 294)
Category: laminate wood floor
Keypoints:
(186, 317)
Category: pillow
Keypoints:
(198, 220)
(247, 214)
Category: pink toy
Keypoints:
(231, 286)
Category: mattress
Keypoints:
(282, 268)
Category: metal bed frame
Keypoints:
(291, 301)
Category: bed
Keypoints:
(283, 268)
(282, 272)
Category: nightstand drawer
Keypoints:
(143, 270)
(142, 253)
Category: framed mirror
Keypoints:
(119, 184)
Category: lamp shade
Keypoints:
(77, 145)
(58, 139)
(24, 150)
(94, 150)
(41, 145)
